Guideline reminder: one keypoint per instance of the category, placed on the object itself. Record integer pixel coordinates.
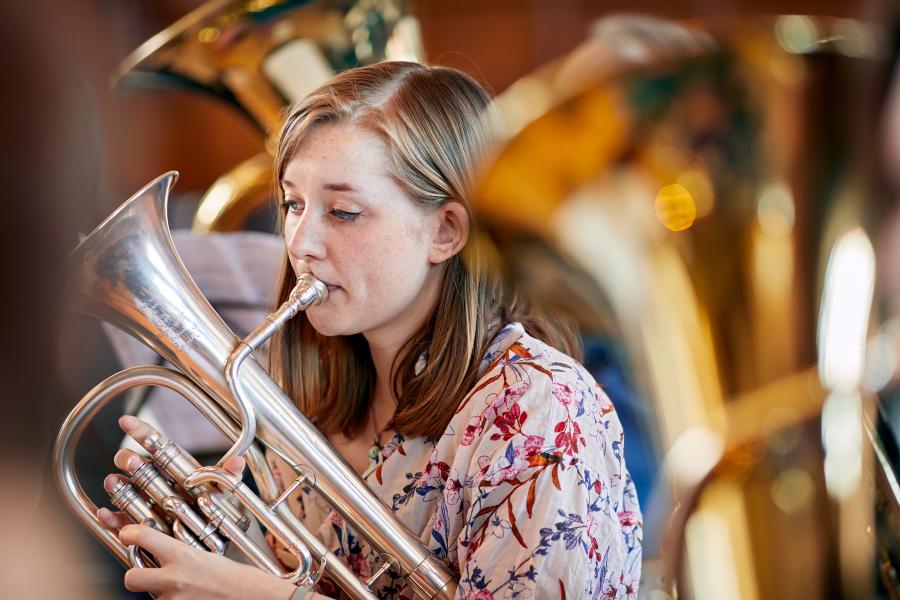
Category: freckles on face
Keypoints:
(351, 224)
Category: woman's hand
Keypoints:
(184, 572)
(129, 462)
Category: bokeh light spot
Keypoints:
(675, 207)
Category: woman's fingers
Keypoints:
(112, 481)
(113, 521)
(145, 580)
(165, 548)
(153, 580)
(141, 432)
(128, 460)
(137, 429)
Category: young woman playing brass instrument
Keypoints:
(463, 413)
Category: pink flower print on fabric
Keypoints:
(532, 446)
(432, 480)
(509, 423)
(525, 495)
(509, 473)
(472, 431)
(563, 393)
(452, 492)
(509, 396)
(359, 565)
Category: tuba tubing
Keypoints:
(128, 273)
(81, 505)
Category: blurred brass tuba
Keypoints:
(259, 57)
(700, 192)
(128, 273)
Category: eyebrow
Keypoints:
(338, 186)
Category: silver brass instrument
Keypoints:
(128, 274)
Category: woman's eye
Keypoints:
(292, 206)
(344, 215)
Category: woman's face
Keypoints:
(349, 223)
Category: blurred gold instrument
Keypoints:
(259, 56)
(703, 188)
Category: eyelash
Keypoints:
(341, 215)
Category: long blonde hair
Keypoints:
(430, 120)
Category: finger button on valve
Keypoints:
(173, 459)
(150, 481)
(126, 498)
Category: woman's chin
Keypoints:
(328, 326)
(326, 329)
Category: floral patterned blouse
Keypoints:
(526, 494)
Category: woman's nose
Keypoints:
(305, 239)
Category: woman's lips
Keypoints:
(331, 287)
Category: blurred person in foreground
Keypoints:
(44, 133)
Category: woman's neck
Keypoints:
(383, 401)
(383, 359)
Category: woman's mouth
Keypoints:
(331, 287)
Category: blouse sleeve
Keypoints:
(550, 508)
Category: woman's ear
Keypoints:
(451, 231)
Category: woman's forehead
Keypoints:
(340, 152)
(339, 136)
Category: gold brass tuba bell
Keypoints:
(259, 57)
